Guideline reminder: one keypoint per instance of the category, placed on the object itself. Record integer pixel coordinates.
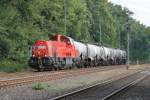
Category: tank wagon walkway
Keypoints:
(65, 85)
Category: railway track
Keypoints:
(113, 94)
(106, 89)
(137, 91)
(43, 77)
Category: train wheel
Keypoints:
(56, 68)
(40, 69)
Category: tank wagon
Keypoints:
(62, 52)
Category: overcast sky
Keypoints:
(141, 9)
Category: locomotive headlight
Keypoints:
(33, 55)
(45, 55)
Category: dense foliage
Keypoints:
(24, 21)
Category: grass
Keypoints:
(39, 86)
(11, 67)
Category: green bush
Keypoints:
(10, 66)
(39, 86)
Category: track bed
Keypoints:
(67, 84)
(104, 90)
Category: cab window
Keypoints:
(65, 39)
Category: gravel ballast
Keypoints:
(60, 86)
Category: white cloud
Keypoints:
(141, 9)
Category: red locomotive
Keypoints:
(56, 53)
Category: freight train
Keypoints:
(61, 52)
